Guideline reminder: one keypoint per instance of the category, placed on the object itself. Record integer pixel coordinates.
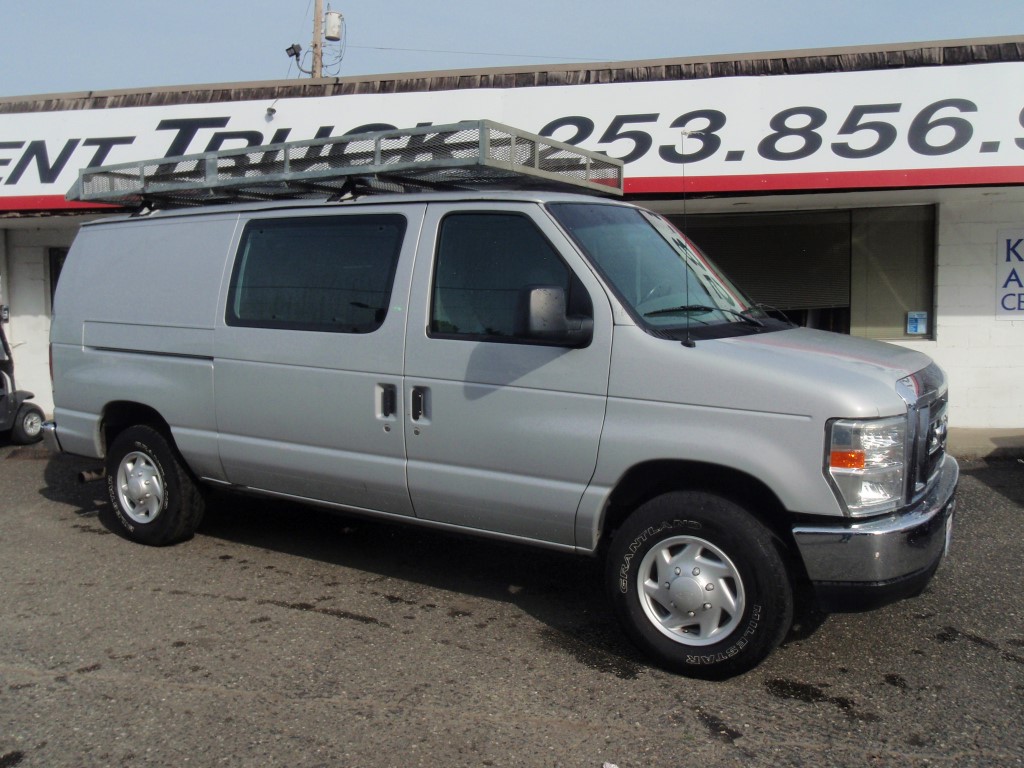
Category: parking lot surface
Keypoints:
(288, 636)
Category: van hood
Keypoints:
(797, 371)
(824, 371)
(877, 359)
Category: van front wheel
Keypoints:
(699, 584)
(154, 497)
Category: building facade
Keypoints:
(872, 191)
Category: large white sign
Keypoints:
(928, 126)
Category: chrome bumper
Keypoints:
(883, 551)
(50, 437)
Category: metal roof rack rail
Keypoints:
(478, 154)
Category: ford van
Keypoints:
(553, 368)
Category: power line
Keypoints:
(472, 53)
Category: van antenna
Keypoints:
(688, 341)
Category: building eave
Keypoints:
(770, 63)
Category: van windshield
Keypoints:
(661, 276)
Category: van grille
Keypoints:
(929, 429)
(935, 442)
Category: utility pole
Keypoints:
(334, 33)
(318, 39)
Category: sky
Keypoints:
(61, 46)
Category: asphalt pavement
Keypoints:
(288, 636)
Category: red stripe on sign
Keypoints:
(47, 203)
(922, 177)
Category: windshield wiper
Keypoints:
(768, 309)
(704, 308)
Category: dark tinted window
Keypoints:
(316, 274)
(484, 263)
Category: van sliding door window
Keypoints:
(485, 264)
(316, 273)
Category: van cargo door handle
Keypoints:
(419, 397)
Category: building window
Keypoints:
(860, 271)
(316, 273)
(892, 271)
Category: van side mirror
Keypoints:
(546, 318)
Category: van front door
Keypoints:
(502, 432)
(308, 363)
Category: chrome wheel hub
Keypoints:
(140, 487)
(691, 591)
(33, 424)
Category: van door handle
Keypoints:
(419, 402)
(388, 400)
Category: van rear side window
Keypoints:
(323, 273)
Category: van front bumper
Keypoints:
(856, 566)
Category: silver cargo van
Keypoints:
(556, 369)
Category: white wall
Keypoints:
(983, 356)
(27, 289)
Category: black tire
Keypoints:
(684, 546)
(155, 499)
(28, 425)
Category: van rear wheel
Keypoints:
(155, 499)
(699, 584)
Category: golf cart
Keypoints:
(22, 419)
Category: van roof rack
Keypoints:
(478, 154)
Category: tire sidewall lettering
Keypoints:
(735, 648)
(637, 546)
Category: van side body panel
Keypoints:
(750, 404)
(134, 319)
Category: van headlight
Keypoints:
(866, 463)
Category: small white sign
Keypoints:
(917, 323)
(1010, 275)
